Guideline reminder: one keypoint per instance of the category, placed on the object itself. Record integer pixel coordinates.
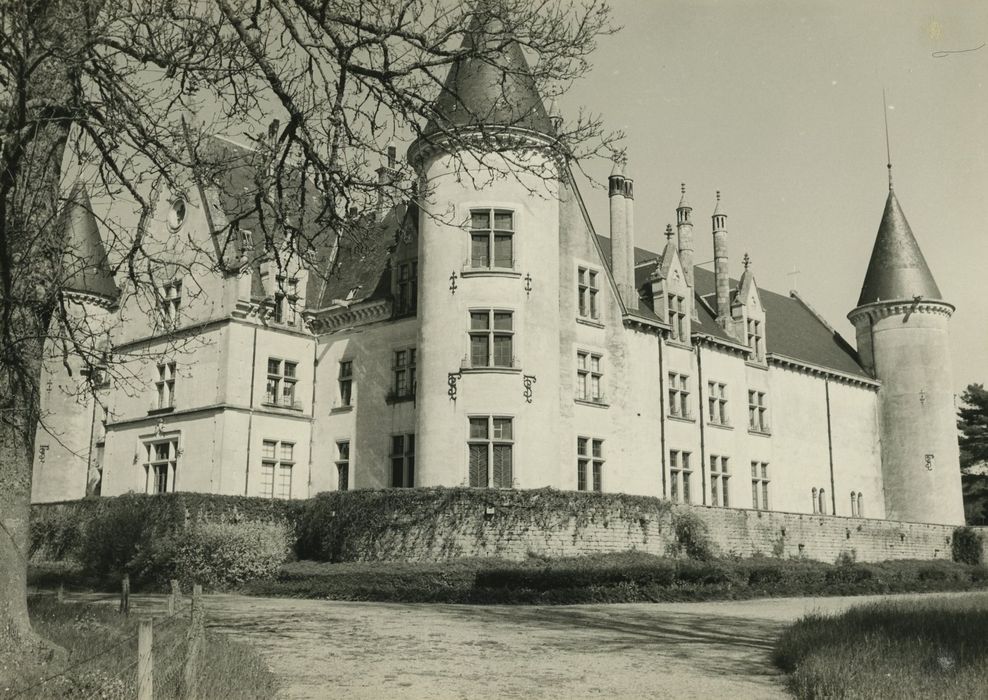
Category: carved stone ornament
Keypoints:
(528, 380)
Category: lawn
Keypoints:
(101, 658)
(902, 649)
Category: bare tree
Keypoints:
(128, 90)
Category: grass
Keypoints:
(904, 649)
(229, 669)
(625, 577)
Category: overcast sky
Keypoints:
(779, 105)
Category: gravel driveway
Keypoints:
(327, 649)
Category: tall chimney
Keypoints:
(619, 232)
(631, 301)
(721, 272)
(385, 178)
(684, 230)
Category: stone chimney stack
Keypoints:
(631, 301)
(722, 273)
(385, 178)
(684, 230)
(622, 249)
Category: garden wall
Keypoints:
(435, 524)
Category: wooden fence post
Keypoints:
(145, 660)
(174, 597)
(196, 644)
(125, 595)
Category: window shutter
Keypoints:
(478, 466)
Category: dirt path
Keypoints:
(330, 649)
(325, 649)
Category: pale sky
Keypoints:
(778, 104)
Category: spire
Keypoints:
(888, 148)
(84, 264)
(683, 204)
(717, 211)
(897, 269)
(494, 89)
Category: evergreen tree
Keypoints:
(972, 422)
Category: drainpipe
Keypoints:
(250, 414)
(830, 449)
(703, 449)
(662, 415)
(312, 409)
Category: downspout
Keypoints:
(830, 449)
(662, 414)
(703, 450)
(250, 414)
(312, 408)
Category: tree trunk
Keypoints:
(17, 428)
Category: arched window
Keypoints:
(854, 505)
(860, 506)
(815, 506)
(823, 502)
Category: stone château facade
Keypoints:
(510, 345)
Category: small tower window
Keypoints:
(491, 238)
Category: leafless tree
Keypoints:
(127, 90)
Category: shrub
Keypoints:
(692, 536)
(967, 546)
(221, 555)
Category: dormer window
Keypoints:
(677, 317)
(406, 289)
(491, 239)
(756, 340)
(285, 300)
(170, 301)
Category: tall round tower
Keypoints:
(901, 322)
(488, 360)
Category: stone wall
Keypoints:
(739, 532)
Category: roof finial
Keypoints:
(888, 149)
(746, 261)
(682, 187)
(669, 232)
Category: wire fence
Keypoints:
(170, 651)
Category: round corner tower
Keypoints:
(488, 263)
(901, 322)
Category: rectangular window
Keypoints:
(719, 479)
(343, 465)
(588, 377)
(406, 296)
(490, 446)
(679, 395)
(277, 462)
(282, 378)
(677, 318)
(403, 369)
(717, 403)
(491, 239)
(165, 386)
(286, 301)
(161, 466)
(403, 460)
(679, 476)
(757, 411)
(170, 299)
(755, 340)
(759, 485)
(589, 464)
(346, 382)
(587, 293)
(491, 338)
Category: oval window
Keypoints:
(176, 215)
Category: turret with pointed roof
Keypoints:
(901, 322)
(897, 269)
(85, 267)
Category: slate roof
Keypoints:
(362, 262)
(493, 90)
(232, 171)
(793, 329)
(84, 264)
(897, 269)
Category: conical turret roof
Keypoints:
(897, 269)
(85, 267)
(496, 89)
